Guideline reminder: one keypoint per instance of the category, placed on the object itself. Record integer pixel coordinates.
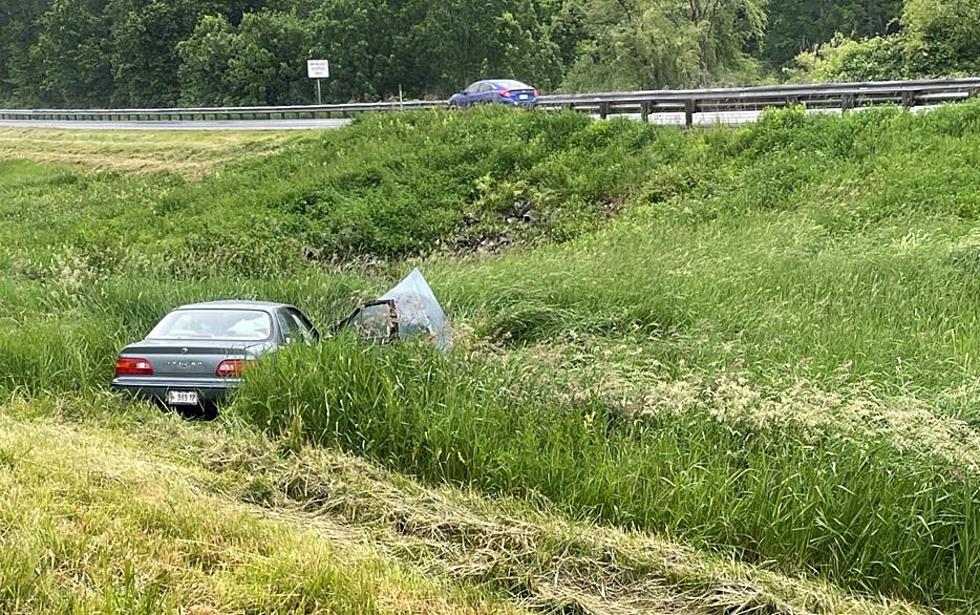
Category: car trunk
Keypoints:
(521, 94)
(188, 358)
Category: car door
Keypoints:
(487, 93)
(470, 94)
(296, 327)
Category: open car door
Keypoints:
(409, 309)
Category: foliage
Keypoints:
(71, 65)
(65, 53)
(669, 43)
(648, 46)
(144, 39)
(262, 61)
(939, 38)
(943, 36)
(797, 26)
(843, 59)
(159, 52)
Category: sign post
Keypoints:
(318, 69)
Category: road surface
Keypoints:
(182, 125)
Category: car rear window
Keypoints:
(512, 85)
(235, 325)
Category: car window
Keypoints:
(377, 321)
(205, 324)
(474, 88)
(296, 327)
(510, 84)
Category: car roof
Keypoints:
(235, 304)
(508, 83)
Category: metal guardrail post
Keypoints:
(690, 106)
(645, 108)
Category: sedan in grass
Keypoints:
(196, 354)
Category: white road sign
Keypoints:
(318, 69)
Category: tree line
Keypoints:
(146, 53)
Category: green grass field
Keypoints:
(694, 371)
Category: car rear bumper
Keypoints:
(209, 390)
(519, 103)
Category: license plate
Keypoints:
(182, 398)
(524, 97)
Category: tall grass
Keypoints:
(858, 512)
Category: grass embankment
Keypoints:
(762, 340)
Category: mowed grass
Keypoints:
(138, 151)
(761, 340)
(92, 524)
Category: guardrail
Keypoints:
(844, 96)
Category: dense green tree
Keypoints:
(364, 41)
(70, 61)
(567, 28)
(942, 36)
(634, 45)
(938, 38)
(482, 38)
(664, 43)
(145, 35)
(800, 25)
(262, 61)
(726, 28)
(19, 29)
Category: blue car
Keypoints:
(502, 91)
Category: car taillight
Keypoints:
(131, 366)
(535, 90)
(505, 93)
(230, 368)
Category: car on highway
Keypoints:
(499, 91)
(196, 354)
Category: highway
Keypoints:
(688, 107)
(182, 125)
(665, 119)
